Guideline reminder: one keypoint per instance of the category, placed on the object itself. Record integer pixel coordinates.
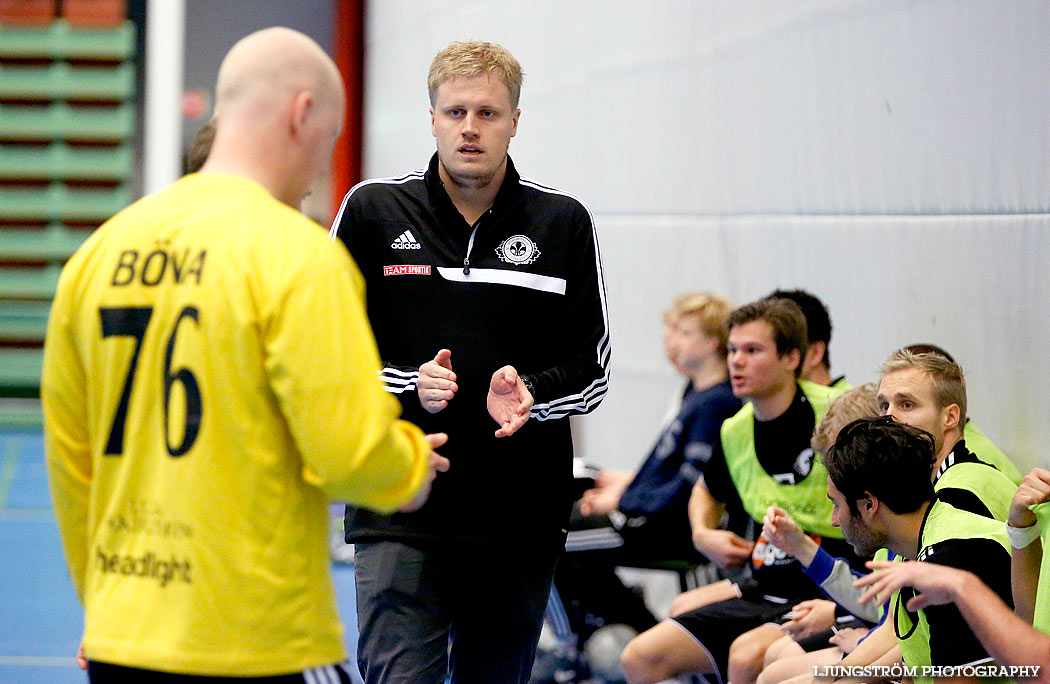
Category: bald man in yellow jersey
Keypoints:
(210, 380)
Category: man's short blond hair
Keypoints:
(711, 310)
(948, 384)
(859, 402)
(475, 58)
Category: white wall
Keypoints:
(892, 157)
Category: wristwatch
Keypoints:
(527, 381)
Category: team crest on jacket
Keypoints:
(518, 250)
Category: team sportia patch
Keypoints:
(406, 269)
(518, 250)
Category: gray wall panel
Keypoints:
(891, 156)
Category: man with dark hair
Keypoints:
(199, 149)
(1010, 636)
(762, 458)
(892, 463)
(816, 365)
(878, 481)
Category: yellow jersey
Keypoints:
(210, 380)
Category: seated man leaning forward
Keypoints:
(762, 458)
(1008, 636)
(882, 497)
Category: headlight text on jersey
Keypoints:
(146, 566)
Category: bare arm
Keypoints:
(1024, 563)
(890, 658)
(609, 486)
(1008, 638)
(1005, 636)
(705, 512)
(726, 549)
(1024, 578)
(874, 649)
(880, 648)
(810, 617)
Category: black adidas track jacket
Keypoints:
(522, 286)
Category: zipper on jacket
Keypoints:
(470, 246)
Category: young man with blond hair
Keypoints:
(927, 390)
(202, 345)
(687, 302)
(858, 402)
(696, 346)
(485, 292)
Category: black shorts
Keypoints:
(106, 673)
(716, 625)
